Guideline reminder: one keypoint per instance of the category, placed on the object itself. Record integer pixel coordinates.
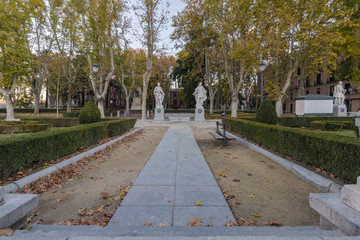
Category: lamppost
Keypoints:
(262, 66)
(95, 70)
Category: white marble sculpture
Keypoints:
(339, 92)
(159, 95)
(200, 95)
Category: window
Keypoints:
(284, 107)
(291, 96)
(318, 91)
(318, 79)
(307, 92)
(332, 77)
(299, 71)
(347, 86)
(291, 107)
(307, 82)
(331, 91)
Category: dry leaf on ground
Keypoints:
(194, 222)
(6, 232)
(272, 223)
(199, 203)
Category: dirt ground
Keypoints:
(255, 186)
(96, 188)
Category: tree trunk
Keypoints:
(143, 102)
(9, 108)
(281, 98)
(127, 100)
(234, 103)
(101, 107)
(37, 101)
(68, 104)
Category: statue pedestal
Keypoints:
(199, 114)
(339, 111)
(136, 104)
(159, 114)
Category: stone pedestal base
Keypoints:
(339, 111)
(200, 114)
(350, 195)
(159, 114)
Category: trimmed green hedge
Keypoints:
(36, 148)
(27, 127)
(71, 114)
(331, 125)
(305, 121)
(334, 153)
(53, 121)
(31, 110)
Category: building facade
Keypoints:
(324, 84)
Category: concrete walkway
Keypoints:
(175, 177)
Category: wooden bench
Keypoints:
(221, 134)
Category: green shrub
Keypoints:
(331, 125)
(90, 113)
(267, 113)
(53, 121)
(71, 114)
(36, 148)
(306, 121)
(334, 153)
(22, 127)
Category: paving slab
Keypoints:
(150, 196)
(210, 215)
(208, 195)
(175, 177)
(140, 215)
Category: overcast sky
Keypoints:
(175, 6)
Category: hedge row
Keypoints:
(36, 148)
(305, 121)
(334, 153)
(31, 110)
(53, 121)
(332, 125)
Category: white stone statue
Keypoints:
(200, 95)
(339, 92)
(159, 95)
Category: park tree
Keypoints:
(41, 42)
(152, 20)
(64, 18)
(303, 34)
(15, 55)
(130, 72)
(99, 21)
(199, 39)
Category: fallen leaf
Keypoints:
(255, 215)
(236, 180)
(223, 175)
(105, 195)
(116, 221)
(272, 223)
(269, 181)
(231, 224)
(6, 232)
(262, 162)
(147, 224)
(199, 203)
(62, 198)
(251, 195)
(246, 222)
(271, 166)
(194, 222)
(163, 224)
